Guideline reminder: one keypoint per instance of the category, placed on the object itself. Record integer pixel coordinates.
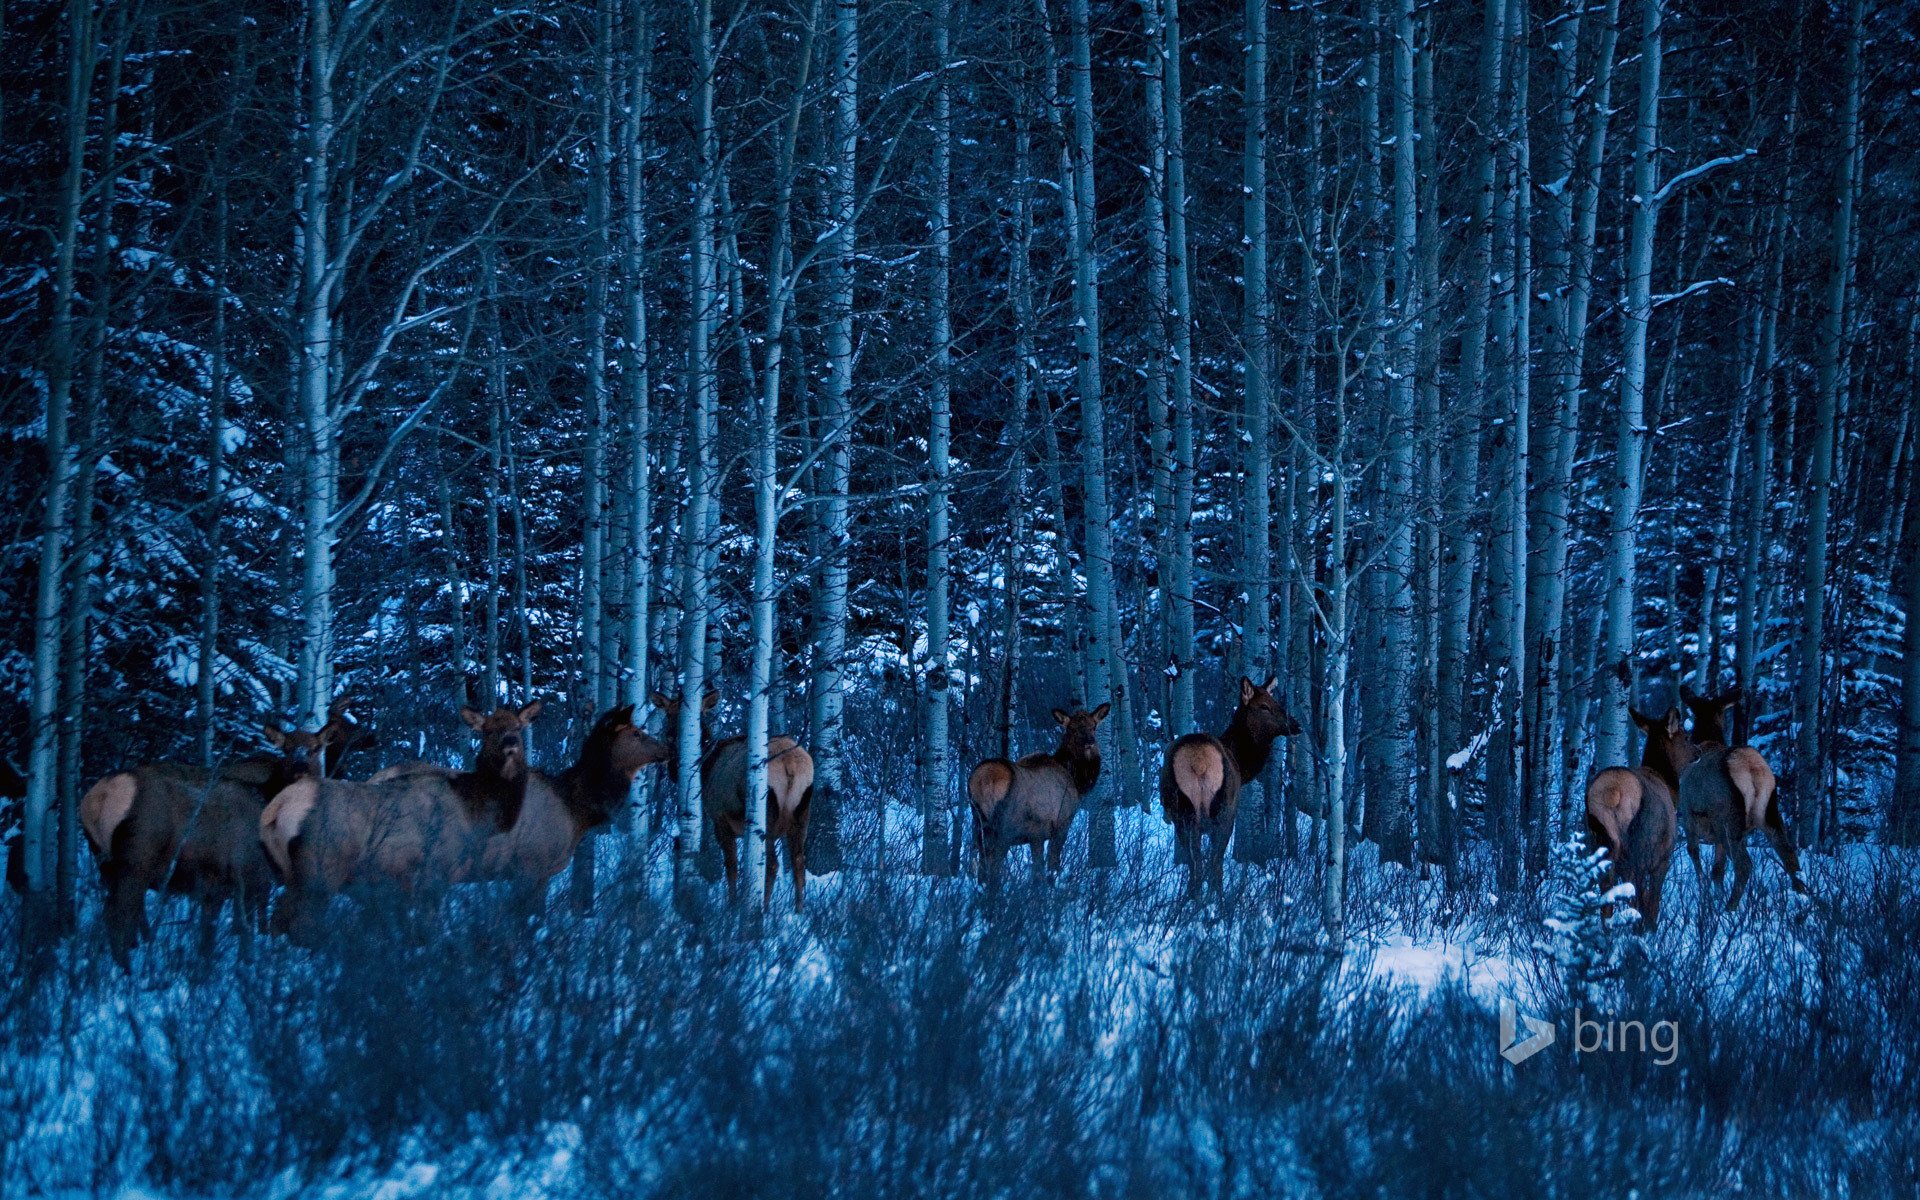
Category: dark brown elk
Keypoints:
(417, 831)
(723, 797)
(1032, 802)
(1630, 810)
(1201, 779)
(187, 830)
(559, 811)
(1726, 795)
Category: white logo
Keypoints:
(1515, 1049)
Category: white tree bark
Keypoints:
(1809, 761)
(1616, 651)
(937, 800)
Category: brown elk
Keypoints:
(1630, 810)
(1201, 779)
(561, 810)
(187, 830)
(1726, 795)
(723, 796)
(1032, 802)
(419, 830)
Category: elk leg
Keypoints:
(772, 873)
(797, 863)
(1656, 883)
(210, 907)
(1056, 852)
(1187, 837)
(1775, 828)
(126, 915)
(1742, 867)
(730, 851)
(1039, 848)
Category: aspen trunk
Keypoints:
(937, 799)
(1630, 439)
(828, 692)
(1809, 760)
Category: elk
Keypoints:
(559, 811)
(1032, 802)
(1201, 779)
(1630, 810)
(187, 830)
(419, 830)
(1726, 795)
(723, 796)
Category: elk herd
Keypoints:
(282, 822)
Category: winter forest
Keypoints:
(1501, 418)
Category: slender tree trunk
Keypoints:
(836, 409)
(1616, 652)
(1178, 667)
(1431, 772)
(704, 296)
(1106, 666)
(318, 451)
(1809, 761)
(766, 498)
(1180, 400)
(41, 834)
(1252, 840)
(206, 681)
(593, 481)
(1458, 550)
(1395, 828)
(1024, 363)
(938, 797)
(496, 436)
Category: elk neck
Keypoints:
(1082, 766)
(1658, 758)
(1249, 749)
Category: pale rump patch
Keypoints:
(402, 770)
(281, 821)
(1613, 801)
(789, 773)
(1198, 772)
(1753, 779)
(105, 805)
(989, 785)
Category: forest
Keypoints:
(1501, 418)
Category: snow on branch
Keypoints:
(1692, 173)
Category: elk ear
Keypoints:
(624, 714)
(709, 700)
(1691, 698)
(1674, 723)
(1100, 714)
(473, 717)
(1272, 686)
(276, 736)
(338, 708)
(1728, 698)
(1641, 719)
(662, 703)
(1060, 715)
(1246, 690)
(531, 711)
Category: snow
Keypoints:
(1423, 967)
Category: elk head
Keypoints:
(615, 750)
(1669, 750)
(671, 728)
(503, 748)
(1265, 717)
(304, 754)
(1709, 713)
(1077, 738)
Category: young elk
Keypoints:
(723, 796)
(1630, 810)
(166, 827)
(417, 830)
(1032, 802)
(560, 811)
(1728, 794)
(1201, 779)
